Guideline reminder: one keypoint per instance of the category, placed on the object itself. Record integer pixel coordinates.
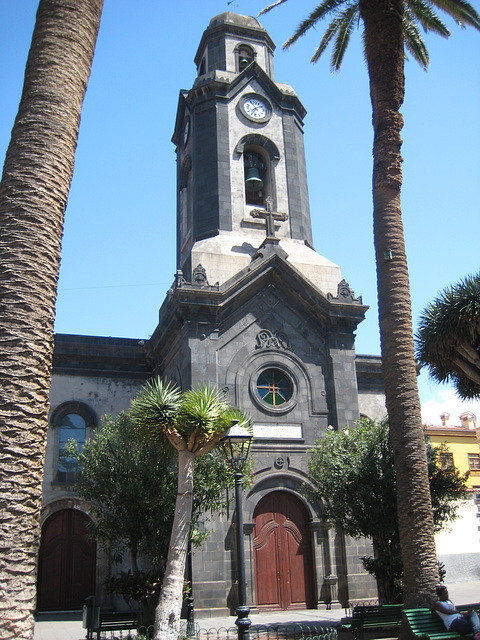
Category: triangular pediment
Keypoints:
(270, 268)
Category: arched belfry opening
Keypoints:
(260, 155)
(257, 174)
(244, 56)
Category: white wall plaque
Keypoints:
(277, 431)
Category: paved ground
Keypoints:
(68, 626)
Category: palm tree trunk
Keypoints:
(33, 196)
(167, 618)
(385, 59)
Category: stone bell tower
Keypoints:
(240, 156)
(257, 312)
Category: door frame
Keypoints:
(310, 517)
(68, 504)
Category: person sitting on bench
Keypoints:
(465, 623)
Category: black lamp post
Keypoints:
(236, 444)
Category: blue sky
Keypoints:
(119, 243)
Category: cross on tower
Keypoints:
(269, 218)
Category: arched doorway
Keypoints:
(282, 553)
(67, 562)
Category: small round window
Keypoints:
(274, 387)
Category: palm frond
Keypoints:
(460, 10)
(235, 413)
(271, 6)
(414, 42)
(204, 410)
(448, 337)
(348, 20)
(323, 9)
(155, 408)
(424, 14)
(325, 41)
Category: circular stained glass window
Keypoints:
(274, 387)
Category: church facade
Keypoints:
(253, 310)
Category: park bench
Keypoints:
(364, 602)
(426, 622)
(102, 620)
(375, 618)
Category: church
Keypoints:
(255, 311)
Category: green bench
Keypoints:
(374, 618)
(469, 607)
(111, 621)
(423, 622)
(427, 622)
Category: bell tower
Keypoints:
(241, 159)
(256, 312)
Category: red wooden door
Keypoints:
(67, 562)
(282, 553)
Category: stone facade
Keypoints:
(253, 310)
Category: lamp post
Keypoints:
(236, 444)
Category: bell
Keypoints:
(243, 63)
(253, 181)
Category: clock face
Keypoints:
(255, 108)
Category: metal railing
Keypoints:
(257, 632)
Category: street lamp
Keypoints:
(236, 445)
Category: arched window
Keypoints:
(73, 420)
(73, 427)
(245, 56)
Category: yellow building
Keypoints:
(458, 545)
(462, 442)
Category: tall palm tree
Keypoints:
(193, 422)
(448, 337)
(33, 196)
(390, 26)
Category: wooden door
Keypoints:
(67, 562)
(282, 553)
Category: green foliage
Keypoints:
(203, 409)
(387, 569)
(346, 16)
(448, 337)
(353, 477)
(193, 422)
(211, 477)
(131, 486)
(194, 419)
(353, 480)
(157, 404)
